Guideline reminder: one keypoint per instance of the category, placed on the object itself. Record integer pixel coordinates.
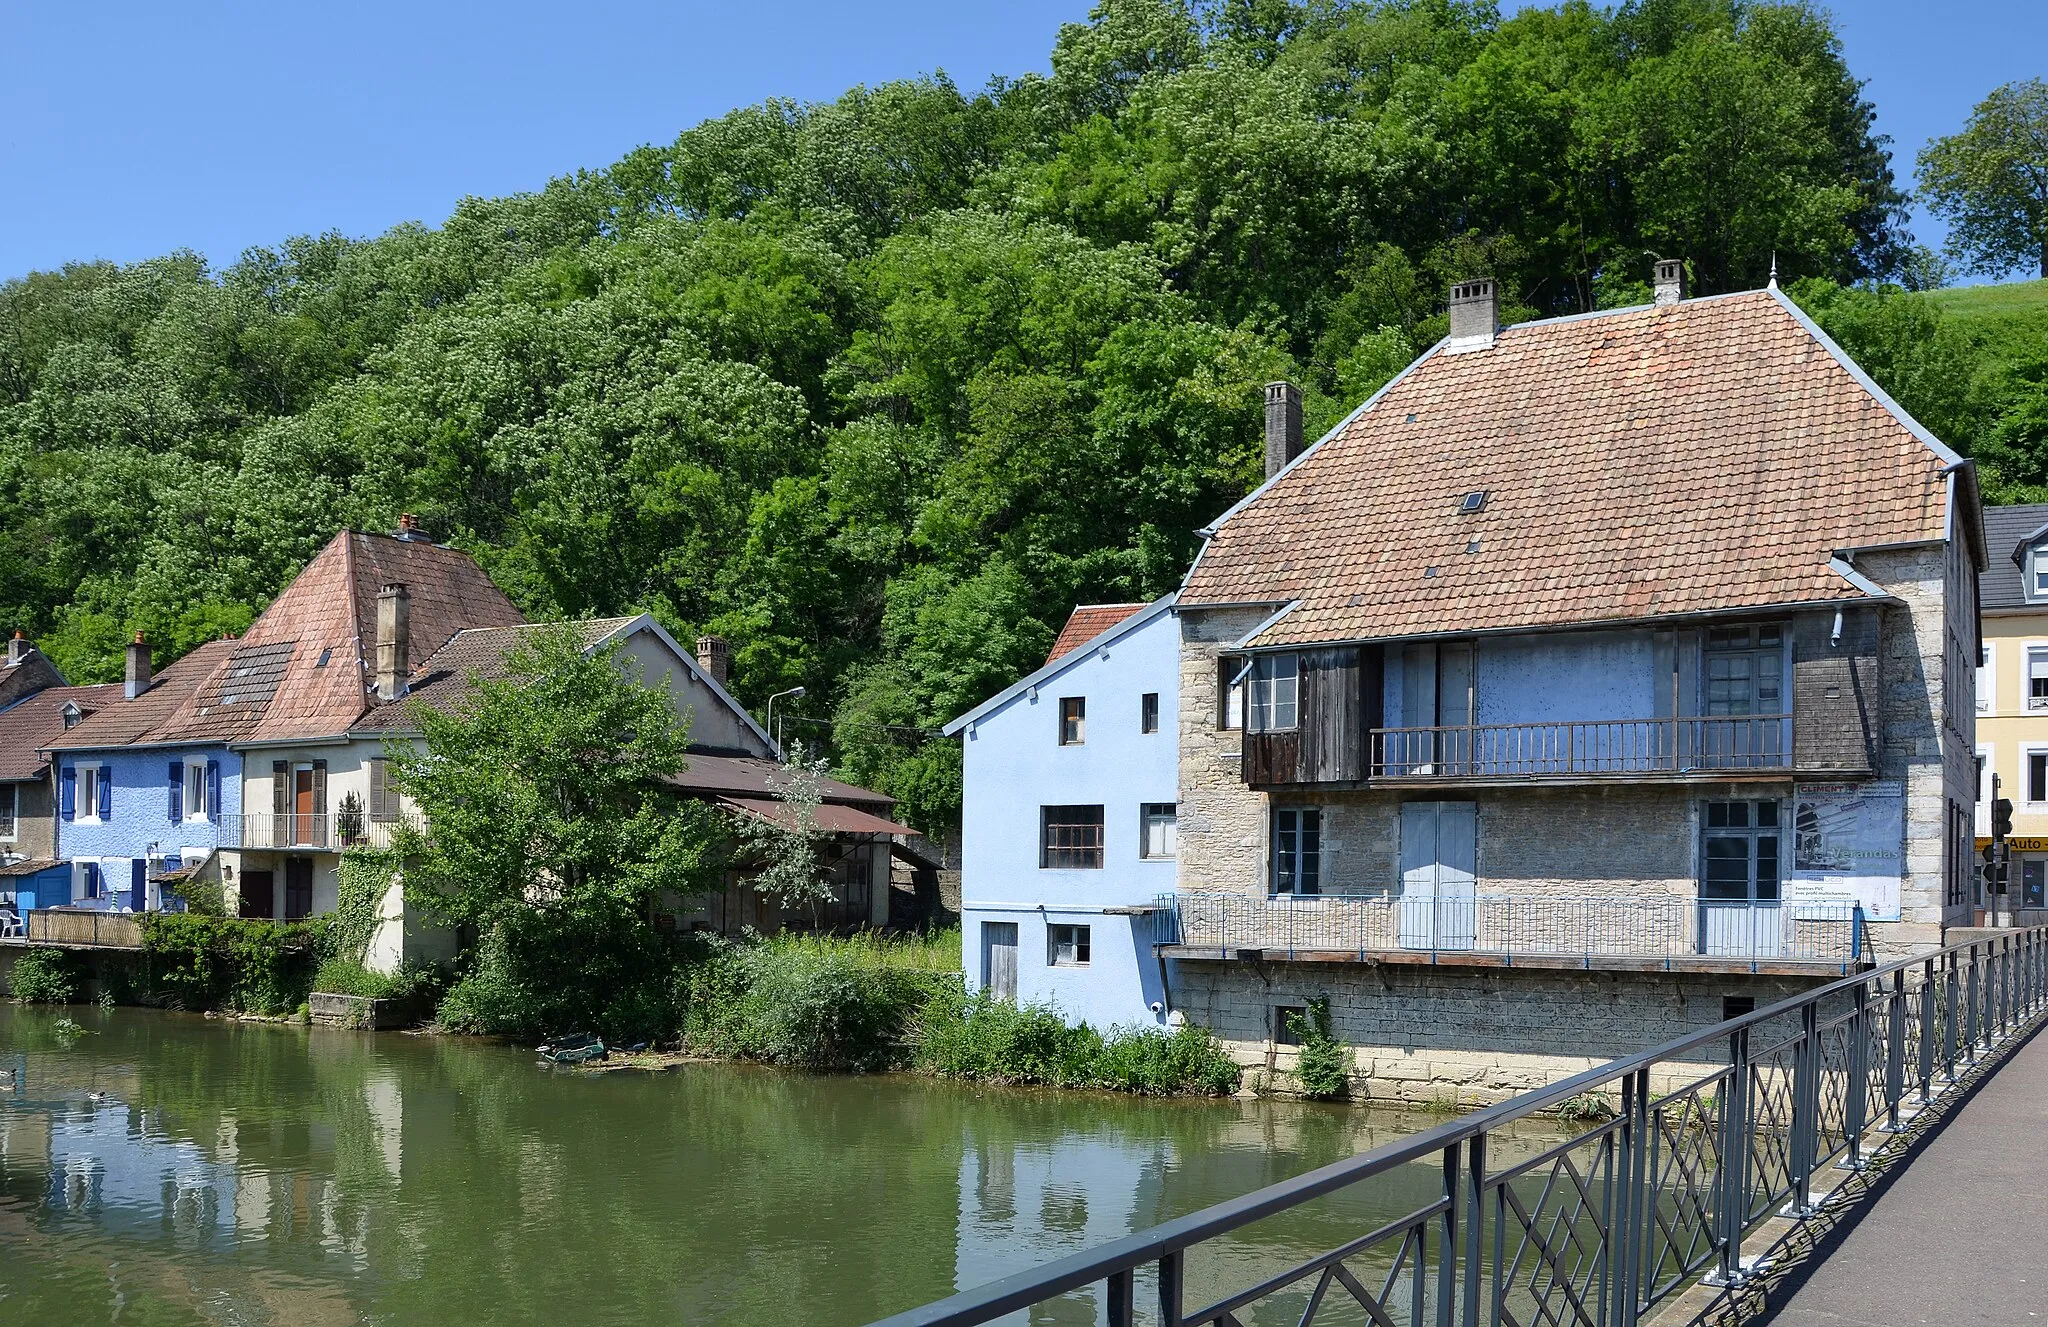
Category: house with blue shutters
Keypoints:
(1069, 821)
(136, 797)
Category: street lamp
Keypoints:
(793, 693)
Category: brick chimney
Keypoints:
(1283, 426)
(18, 649)
(1670, 282)
(137, 679)
(409, 529)
(714, 656)
(1475, 315)
(394, 634)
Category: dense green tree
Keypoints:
(1990, 182)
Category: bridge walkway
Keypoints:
(1959, 1236)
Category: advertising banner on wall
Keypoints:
(1849, 846)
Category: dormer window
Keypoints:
(2037, 575)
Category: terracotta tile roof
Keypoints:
(443, 682)
(306, 666)
(1702, 456)
(28, 726)
(742, 777)
(1085, 623)
(152, 716)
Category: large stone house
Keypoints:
(1595, 678)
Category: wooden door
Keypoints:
(999, 959)
(298, 888)
(258, 893)
(302, 804)
(1439, 868)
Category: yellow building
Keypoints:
(2012, 691)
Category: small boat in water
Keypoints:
(580, 1049)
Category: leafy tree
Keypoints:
(1990, 182)
(551, 838)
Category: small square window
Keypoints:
(1073, 720)
(1066, 946)
(1148, 712)
(1473, 502)
(1158, 829)
(1735, 1006)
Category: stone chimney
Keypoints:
(409, 529)
(1475, 315)
(714, 656)
(18, 649)
(1670, 280)
(137, 680)
(394, 634)
(1283, 426)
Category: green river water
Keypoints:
(171, 1169)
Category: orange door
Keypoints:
(302, 805)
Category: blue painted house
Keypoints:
(1069, 820)
(139, 793)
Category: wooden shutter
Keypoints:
(280, 787)
(67, 794)
(177, 791)
(213, 791)
(105, 784)
(319, 787)
(383, 800)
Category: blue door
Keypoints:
(138, 884)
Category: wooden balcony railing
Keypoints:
(1706, 745)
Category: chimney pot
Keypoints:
(137, 679)
(1670, 280)
(394, 636)
(18, 648)
(409, 528)
(1475, 315)
(714, 656)
(1283, 426)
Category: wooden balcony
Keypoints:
(1713, 748)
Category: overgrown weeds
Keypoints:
(990, 1040)
(812, 1002)
(45, 976)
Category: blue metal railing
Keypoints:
(1710, 1136)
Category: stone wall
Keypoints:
(1464, 1036)
(1222, 827)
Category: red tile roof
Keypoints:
(28, 726)
(1087, 622)
(1702, 456)
(442, 683)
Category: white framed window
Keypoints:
(2034, 685)
(1158, 829)
(2037, 574)
(1073, 720)
(1987, 679)
(1066, 946)
(91, 778)
(10, 812)
(1231, 670)
(2033, 788)
(195, 790)
(1276, 693)
(1986, 763)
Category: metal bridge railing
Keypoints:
(1712, 1135)
(1633, 926)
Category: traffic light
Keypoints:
(2001, 818)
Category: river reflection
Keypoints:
(164, 1168)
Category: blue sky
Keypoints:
(128, 130)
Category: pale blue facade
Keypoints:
(124, 813)
(1016, 767)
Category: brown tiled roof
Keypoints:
(151, 716)
(830, 817)
(443, 683)
(1085, 623)
(1702, 456)
(745, 777)
(306, 666)
(28, 726)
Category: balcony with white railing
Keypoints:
(322, 831)
(1646, 932)
(1712, 747)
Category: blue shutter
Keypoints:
(106, 785)
(177, 791)
(67, 795)
(213, 791)
(138, 883)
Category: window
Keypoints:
(1735, 1006)
(1230, 671)
(92, 790)
(2033, 882)
(1276, 690)
(1288, 1022)
(1297, 850)
(195, 790)
(1987, 680)
(1148, 712)
(1073, 720)
(1739, 858)
(1980, 777)
(10, 811)
(2037, 575)
(2037, 774)
(1158, 823)
(2037, 677)
(1070, 837)
(1744, 667)
(1066, 946)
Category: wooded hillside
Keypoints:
(879, 388)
